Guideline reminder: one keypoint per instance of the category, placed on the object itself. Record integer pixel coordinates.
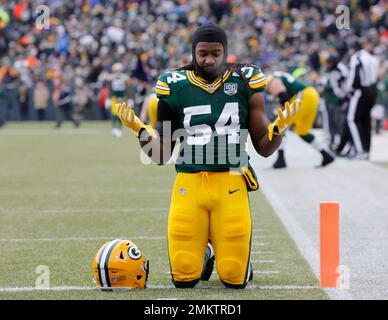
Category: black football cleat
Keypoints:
(327, 158)
(250, 278)
(280, 162)
(208, 263)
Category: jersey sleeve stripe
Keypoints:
(162, 84)
(162, 92)
(257, 81)
(257, 77)
(162, 88)
(258, 84)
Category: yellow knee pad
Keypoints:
(231, 271)
(186, 266)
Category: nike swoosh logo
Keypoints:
(233, 191)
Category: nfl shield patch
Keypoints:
(230, 88)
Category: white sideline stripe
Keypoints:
(76, 288)
(78, 239)
(61, 288)
(263, 261)
(261, 252)
(58, 193)
(21, 132)
(144, 210)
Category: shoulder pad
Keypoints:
(254, 75)
(162, 88)
(168, 81)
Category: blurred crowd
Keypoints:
(73, 57)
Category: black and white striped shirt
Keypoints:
(363, 69)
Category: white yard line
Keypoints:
(259, 237)
(260, 244)
(78, 239)
(40, 132)
(155, 287)
(79, 210)
(256, 272)
(85, 192)
(258, 230)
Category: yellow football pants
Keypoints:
(305, 118)
(211, 204)
(153, 110)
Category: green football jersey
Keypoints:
(292, 84)
(119, 84)
(213, 118)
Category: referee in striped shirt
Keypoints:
(361, 86)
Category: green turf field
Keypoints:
(64, 193)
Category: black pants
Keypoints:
(64, 112)
(334, 118)
(359, 119)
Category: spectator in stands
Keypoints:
(41, 98)
(24, 101)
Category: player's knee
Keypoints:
(186, 267)
(185, 262)
(231, 272)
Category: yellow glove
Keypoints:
(285, 118)
(129, 119)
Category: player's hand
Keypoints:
(128, 118)
(284, 119)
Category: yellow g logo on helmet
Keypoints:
(119, 264)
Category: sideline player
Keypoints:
(287, 88)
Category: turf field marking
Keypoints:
(157, 287)
(259, 237)
(149, 210)
(61, 288)
(261, 244)
(265, 271)
(40, 132)
(78, 239)
(289, 287)
(102, 192)
(261, 252)
(259, 272)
